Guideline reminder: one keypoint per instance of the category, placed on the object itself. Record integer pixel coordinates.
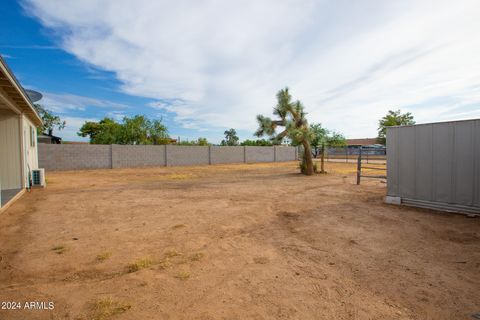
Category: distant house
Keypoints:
(361, 142)
(49, 138)
(18, 137)
(353, 146)
(75, 142)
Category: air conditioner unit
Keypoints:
(38, 178)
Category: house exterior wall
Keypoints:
(10, 161)
(435, 165)
(30, 145)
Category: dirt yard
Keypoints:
(233, 242)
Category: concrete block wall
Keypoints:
(74, 156)
(222, 154)
(130, 156)
(88, 156)
(187, 155)
(259, 154)
(285, 153)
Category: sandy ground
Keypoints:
(233, 242)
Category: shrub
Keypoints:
(139, 265)
(104, 309)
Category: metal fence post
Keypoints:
(359, 166)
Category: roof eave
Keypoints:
(32, 112)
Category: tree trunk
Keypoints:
(322, 161)
(307, 153)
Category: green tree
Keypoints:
(393, 118)
(231, 138)
(50, 121)
(135, 130)
(203, 142)
(291, 116)
(258, 142)
(158, 132)
(199, 142)
(106, 131)
(323, 139)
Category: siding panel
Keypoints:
(423, 162)
(406, 162)
(392, 162)
(464, 150)
(443, 161)
(10, 159)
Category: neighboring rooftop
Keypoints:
(361, 142)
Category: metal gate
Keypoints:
(376, 158)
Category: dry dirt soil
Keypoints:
(233, 242)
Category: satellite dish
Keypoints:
(33, 95)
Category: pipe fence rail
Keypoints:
(380, 154)
(349, 154)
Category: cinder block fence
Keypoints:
(89, 156)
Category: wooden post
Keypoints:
(359, 166)
(322, 161)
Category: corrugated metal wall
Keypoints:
(436, 164)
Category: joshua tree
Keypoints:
(292, 117)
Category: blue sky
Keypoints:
(207, 66)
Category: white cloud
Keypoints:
(63, 105)
(64, 102)
(219, 63)
(73, 124)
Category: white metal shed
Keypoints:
(435, 165)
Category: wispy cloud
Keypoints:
(218, 64)
(73, 124)
(65, 105)
(64, 102)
